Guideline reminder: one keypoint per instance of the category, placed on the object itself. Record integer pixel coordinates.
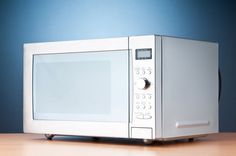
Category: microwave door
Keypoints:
(82, 87)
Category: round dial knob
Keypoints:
(143, 83)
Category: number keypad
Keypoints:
(143, 96)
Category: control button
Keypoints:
(149, 106)
(143, 72)
(137, 103)
(140, 116)
(143, 106)
(149, 70)
(149, 96)
(137, 71)
(143, 96)
(137, 106)
(147, 116)
(137, 96)
(142, 83)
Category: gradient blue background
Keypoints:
(24, 21)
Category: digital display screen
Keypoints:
(142, 54)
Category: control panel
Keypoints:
(143, 94)
(142, 124)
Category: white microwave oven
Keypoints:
(139, 87)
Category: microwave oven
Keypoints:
(139, 87)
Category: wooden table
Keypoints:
(223, 144)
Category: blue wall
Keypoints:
(51, 20)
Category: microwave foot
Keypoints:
(49, 136)
(190, 139)
(95, 138)
(147, 141)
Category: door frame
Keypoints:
(82, 128)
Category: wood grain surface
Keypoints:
(222, 144)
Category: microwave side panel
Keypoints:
(158, 86)
(190, 87)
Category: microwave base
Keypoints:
(147, 141)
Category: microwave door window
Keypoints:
(91, 86)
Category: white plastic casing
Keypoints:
(180, 101)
